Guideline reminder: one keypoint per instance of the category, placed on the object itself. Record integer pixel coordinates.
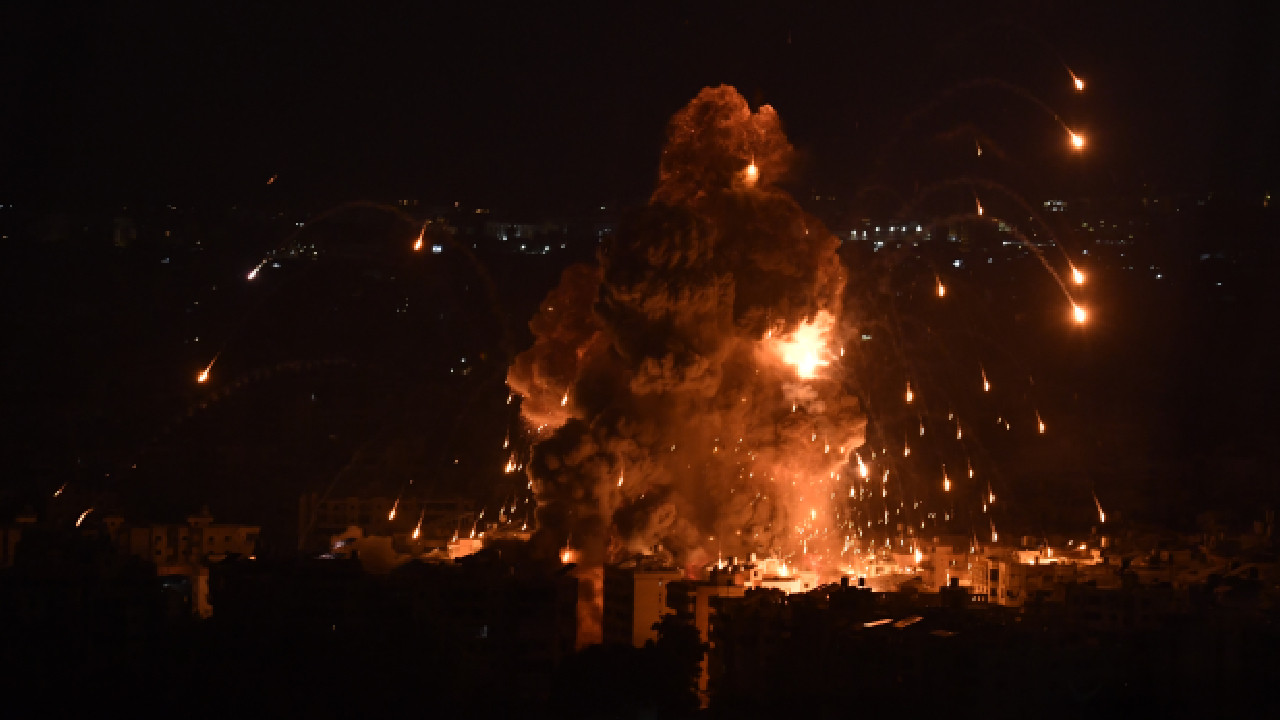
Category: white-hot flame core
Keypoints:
(806, 348)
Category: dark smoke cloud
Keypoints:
(660, 413)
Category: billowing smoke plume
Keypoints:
(685, 391)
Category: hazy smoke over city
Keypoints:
(685, 391)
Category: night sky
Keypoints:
(551, 110)
(560, 106)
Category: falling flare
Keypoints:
(910, 395)
(862, 468)
(752, 173)
(1039, 422)
(83, 515)
(1077, 140)
(564, 400)
(941, 289)
(392, 515)
(986, 384)
(58, 492)
(417, 529)
(980, 211)
(946, 480)
(204, 374)
(1102, 516)
(417, 244)
(1076, 80)
(1078, 313)
(1077, 277)
(959, 433)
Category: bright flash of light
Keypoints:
(986, 384)
(1077, 277)
(752, 173)
(1077, 140)
(1078, 313)
(806, 347)
(564, 400)
(83, 515)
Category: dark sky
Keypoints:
(552, 105)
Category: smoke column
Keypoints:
(683, 392)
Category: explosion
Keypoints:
(694, 355)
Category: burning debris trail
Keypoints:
(699, 354)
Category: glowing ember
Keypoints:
(1102, 516)
(83, 515)
(986, 384)
(392, 515)
(1077, 277)
(910, 395)
(568, 555)
(1077, 140)
(1039, 422)
(752, 174)
(1078, 313)
(941, 289)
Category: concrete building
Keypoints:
(635, 599)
